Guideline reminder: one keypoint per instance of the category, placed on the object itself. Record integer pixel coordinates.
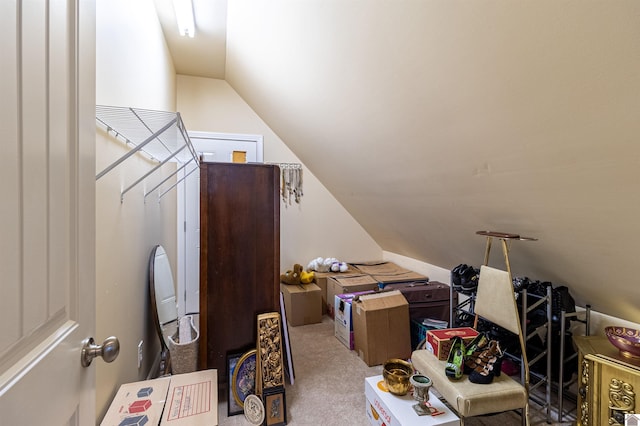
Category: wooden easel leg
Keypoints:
(486, 251)
(505, 252)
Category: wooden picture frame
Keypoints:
(288, 359)
(233, 408)
(275, 406)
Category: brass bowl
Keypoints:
(627, 340)
(396, 374)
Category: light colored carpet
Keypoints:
(329, 384)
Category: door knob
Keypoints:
(108, 351)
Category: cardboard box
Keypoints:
(320, 279)
(192, 399)
(383, 408)
(302, 303)
(381, 327)
(439, 341)
(389, 272)
(343, 284)
(180, 399)
(379, 267)
(343, 321)
(138, 402)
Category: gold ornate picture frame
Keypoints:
(269, 365)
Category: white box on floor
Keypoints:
(343, 320)
(138, 403)
(391, 410)
(192, 399)
(181, 399)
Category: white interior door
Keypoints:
(216, 147)
(47, 220)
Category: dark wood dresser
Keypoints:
(239, 256)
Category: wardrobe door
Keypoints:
(239, 256)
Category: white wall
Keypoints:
(133, 69)
(435, 273)
(319, 225)
(515, 116)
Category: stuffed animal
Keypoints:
(292, 276)
(332, 264)
(339, 267)
(307, 277)
(320, 264)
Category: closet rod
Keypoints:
(137, 148)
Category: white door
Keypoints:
(47, 220)
(216, 147)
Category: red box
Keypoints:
(139, 406)
(439, 341)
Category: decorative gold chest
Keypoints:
(609, 383)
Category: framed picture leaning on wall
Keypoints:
(233, 407)
(274, 406)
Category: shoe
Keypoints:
(478, 343)
(456, 274)
(469, 281)
(453, 370)
(520, 283)
(488, 364)
(473, 351)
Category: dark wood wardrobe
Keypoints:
(239, 256)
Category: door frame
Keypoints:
(188, 214)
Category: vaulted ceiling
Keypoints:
(432, 119)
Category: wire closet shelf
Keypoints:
(160, 135)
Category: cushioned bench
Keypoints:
(470, 399)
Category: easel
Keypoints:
(504, 237)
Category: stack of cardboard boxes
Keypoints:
(372, 305)
(368, 305)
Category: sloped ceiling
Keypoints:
(203, 55)
(432, 119)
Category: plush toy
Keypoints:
(307, 277)
(313, 264)
(339, 267)
(332, 264)
(292, 276)
(320, 264)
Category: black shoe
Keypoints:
(469, 281)
(488, 364)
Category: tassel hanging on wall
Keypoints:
(291, 186)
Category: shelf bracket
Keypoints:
(160, 135)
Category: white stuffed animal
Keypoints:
(339, 267)
(332, 264)
(316, 264)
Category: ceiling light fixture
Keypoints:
(184, 16)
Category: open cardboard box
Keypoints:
(344, 284)
(381, 327)
(302, 303)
